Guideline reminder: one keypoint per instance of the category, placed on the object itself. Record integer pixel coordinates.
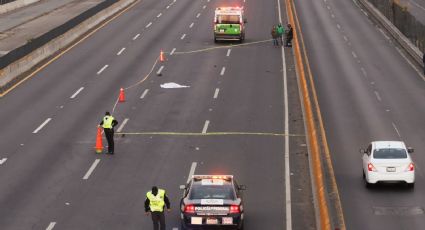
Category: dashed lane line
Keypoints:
(354, 54)
(191, 171)
(102, 69)
(42, 125)
(228, 52)
(204, 7)
(122, 125)
(91, 169)
(378, 97)
(2, 161)
(136, 36)
(183, 36)
(222, 71)
(199, 14)
(148, 25)
(159, 70)
(207, 123)
(216, 93)
(191, 25)
(144, 93)
(338, 26)
(159, 15)
(398, 133)
(120, 52)
(76, 93)
(51, 226)
(167, 7)
(172, 51)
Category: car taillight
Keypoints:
(411, 167)
(190, 208)
(371, 168)
(235, 209)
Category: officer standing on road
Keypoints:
(108, 123)
(155, 201)
(289, 36)
(280, 31)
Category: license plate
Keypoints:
(390, 169)
(196, 220)
(212, 221)
(227, 220)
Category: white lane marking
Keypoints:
(183, 36)
(332, 15)
(398, 133)
(204, 7)
(77, 92)
(168, 6)
(199, 14)
(191, 171)
(191, 25)
(228, 52)
(51, 226)
(120, 52)
(144, 93)
(91, 169)
(288, 200)
(135, 37)
(384, 34)
(159, 15)
(172, 51)
(160, 70)
(149, 24)
(204, 130)
(216, 93)
(354, 54)
(345, 38)
(338, 26)
(175, 229)
(101, 70)
(329, 8)
(222, 71)
(363, 71)
(3, 160)
(410, 63)
(378, 96)
(42, 125)
(122, 125)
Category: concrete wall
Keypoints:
(15, 5)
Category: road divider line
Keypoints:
(207, 123)
(136, 36)
(172, 51)
(346, 38)
(2, 161)
(204, 7)
(51, 226)
(216, 93)
(159, 70)
(159, 15)
(77, 92)
(377, 96)
(144, 93)
(191, 25)
(42, 125)
(398, 133)
(338, 26)
(91, 169)
(183, 36)
(222, 71)
(148, 25)
(102, 69)
(120, 52)
(199, 14)
(167, 7)
(228, 52)
(191, 171)
(122, 125)
(354, 54)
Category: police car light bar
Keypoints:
(224, 177)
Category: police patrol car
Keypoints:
(229, 23)
(211, 200)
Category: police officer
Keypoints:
(108, 123)
(155, 201)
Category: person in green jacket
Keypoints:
(280, 32)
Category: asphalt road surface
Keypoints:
(367, 91)
(52, 179)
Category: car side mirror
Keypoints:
(182, 187)
(410, 150)
(242, 187)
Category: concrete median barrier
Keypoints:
(15, 5)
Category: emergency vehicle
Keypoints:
(212, 201)
(229, 23)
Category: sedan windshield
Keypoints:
(390, 153)
(199, 191)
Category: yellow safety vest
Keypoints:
(156, 203)
(107, 122)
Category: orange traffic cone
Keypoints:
(161, 56)
(122, 96)
(99, 145)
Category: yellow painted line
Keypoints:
(69, 48)
(209, 134)
(324, 216)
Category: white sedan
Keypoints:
(388, 161)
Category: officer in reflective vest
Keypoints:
(108, 123)
(155, 201)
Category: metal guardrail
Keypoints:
(2, 2)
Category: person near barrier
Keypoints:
(108, 123)
(274, 36)
(156, 200)
(280, 31)
(289, 36)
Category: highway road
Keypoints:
(51, 177)
(367, 91)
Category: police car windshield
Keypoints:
(390, 153)
(228, 19)
(202, 190)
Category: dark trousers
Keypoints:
(109, 133)
(158, 218)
